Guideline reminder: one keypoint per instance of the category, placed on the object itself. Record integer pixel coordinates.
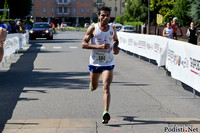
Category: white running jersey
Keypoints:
(169, 31)
(102, 57)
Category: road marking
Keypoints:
(73, 47)
(41, 47)
(57, 47)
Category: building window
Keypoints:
(82, 1)
(52, 0)
(65, 9)
(88, 10)
(88, 1)
(115, 8)
(74, 2)
(52, 9)
(99, 1)
(110, 8)
(82, 10)
(44, 9)
(60, 10)
(65, 1)
(74, 11)
(60, 1)
(44, 0)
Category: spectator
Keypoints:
(28, 26)
(9, 27)
(2, 25)
(144, 28)
(58, 26)
(3, 34)
(16, 28)
(175, 27)
(167, 32)
(53, 26)
(192, 34)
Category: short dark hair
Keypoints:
(103, 8)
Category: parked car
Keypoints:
(128, 28)
(86, 25)
(65, 24)
(41, 30)
(118, 26)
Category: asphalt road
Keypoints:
(50, 79)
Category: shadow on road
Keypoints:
(55, 41)
(131, 120)
(21, 75)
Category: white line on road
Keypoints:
(73, 47)
(57, 47)
(41, 47)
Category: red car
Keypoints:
(41, 30)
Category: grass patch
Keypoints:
(71, 29)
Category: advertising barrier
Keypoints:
(180, 58)
(14, 42)
(183, 61)
(150, 46)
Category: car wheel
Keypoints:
(32, 38)
(52, 37)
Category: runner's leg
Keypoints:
(107, 77)
(94, 78)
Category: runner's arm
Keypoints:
(115, 41)
(87, 38)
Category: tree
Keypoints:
(19, 8)
(5, 14)
(137, 10)
(163, 7)
(180, 11)
(122, 18)
(194, 11)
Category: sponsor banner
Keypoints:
(183, 61)
(14, 42)
(150, 46)
(11, 44)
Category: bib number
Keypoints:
(101, 57)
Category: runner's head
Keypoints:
(192, 25)
(175, 19)
(104, 15)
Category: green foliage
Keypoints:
(122, 18)
(194, 11)
(19, 8)
(132, 23)
(163, 7)
(136, 10)
(5, 14)
(180, 11)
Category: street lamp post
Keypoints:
(149, 17)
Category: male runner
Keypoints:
(104, 44)
(175, 26)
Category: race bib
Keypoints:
(101, 57)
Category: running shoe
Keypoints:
(106, 117)
(91, 89)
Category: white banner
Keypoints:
(183, 61)
(14, 42)
(150, 46)
(11, 44)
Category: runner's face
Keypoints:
(168, 25)
(192, 25)
(104, 17)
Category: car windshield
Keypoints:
(41, 26)
(129, 28)
(118, 27)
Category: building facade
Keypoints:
(117, 7)
(73, 12)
